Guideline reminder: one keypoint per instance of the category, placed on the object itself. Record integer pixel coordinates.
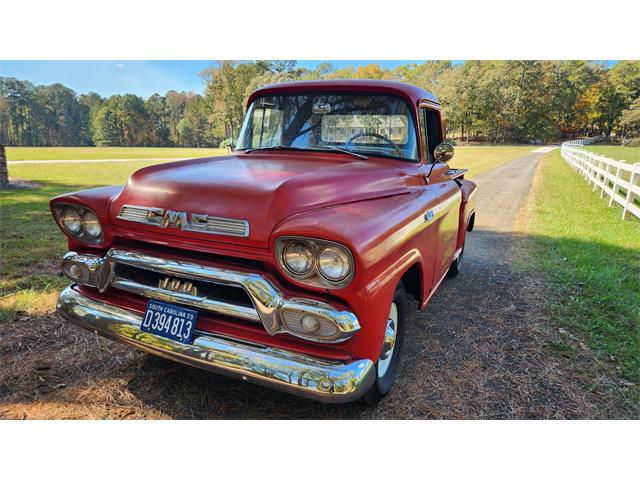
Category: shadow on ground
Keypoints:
(479, 350)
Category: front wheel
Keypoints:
(389, 360)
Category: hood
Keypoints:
(261, 188)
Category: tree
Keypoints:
(176, 103)
(106, 128)
(630, 119)
(90, 103)
(193, 127)
(498, 101)
(158, 110)
(373, 71)
(227, 90)
(4, 173)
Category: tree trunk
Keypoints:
(4, 173)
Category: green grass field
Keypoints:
(593, 259)
(478, 159)
(481, 159)
(32, 245)
(30, 242)
(97, 153)
(628, 154)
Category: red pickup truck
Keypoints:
(288, 263)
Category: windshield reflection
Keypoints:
(361, 124)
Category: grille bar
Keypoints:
(223, 308)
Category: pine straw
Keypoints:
(478, 351)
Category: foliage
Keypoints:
(495, 101)
(630, 119)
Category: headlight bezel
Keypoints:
(314, 277)
(82, 235)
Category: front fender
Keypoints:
(385, 237)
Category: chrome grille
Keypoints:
(135, 277)
(244, 295)
(197, 222)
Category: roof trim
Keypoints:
(413, 94)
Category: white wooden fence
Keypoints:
(619, 180)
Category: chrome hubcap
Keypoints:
(389, 341)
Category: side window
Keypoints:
(431, 119)
(423, 133)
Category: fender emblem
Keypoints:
(429, 215)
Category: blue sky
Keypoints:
(143, 78)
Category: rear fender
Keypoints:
(467, 210)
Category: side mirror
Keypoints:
(443, 152)
(228, 143)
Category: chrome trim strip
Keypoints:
(268, 301)
(159, 217)
(302, 375)
(239, 311)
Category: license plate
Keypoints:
(169, 321)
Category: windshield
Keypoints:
(365, 124)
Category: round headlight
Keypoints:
(91, 224)
(334, 263)
(71, 220)
(298, 257)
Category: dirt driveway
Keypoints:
(477, 351)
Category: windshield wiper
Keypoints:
(342, 150)
(317, 147)
(273, 147)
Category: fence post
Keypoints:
(616, 184)
(605, 178)
(596, 174)
(630, 193)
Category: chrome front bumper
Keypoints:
(302, 375)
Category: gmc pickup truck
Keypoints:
(288, 263)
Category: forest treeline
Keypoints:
(494, 101)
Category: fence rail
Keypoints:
(619, 180)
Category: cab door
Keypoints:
(445, 216)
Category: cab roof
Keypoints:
(410, 92)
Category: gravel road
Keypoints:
(476, 351)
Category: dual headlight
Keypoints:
(315, 262)
(79, 222)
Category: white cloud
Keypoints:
(120, 65)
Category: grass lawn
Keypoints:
(628, 154)
(97, 153)
(478, 159)
(593, 259)
(31, 245)
(481, 159)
